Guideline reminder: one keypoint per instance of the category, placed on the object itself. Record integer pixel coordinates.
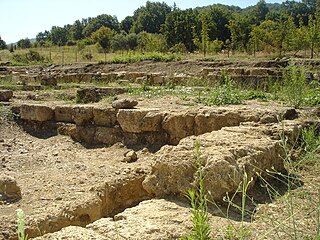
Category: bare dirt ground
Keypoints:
(93, 193)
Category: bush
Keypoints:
(154, 56)
(87, 56)
(294, 85)
(215, 46)
(224, 94)
(30, 57)
(178, 48)
(34, 56)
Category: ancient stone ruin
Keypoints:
(121, 169)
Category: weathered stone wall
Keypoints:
(142, 127)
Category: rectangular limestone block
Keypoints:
(63, 114)
(105, 116)
(39, 113)
(138, 121)
(82, 115)
(107, 135)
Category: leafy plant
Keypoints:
(153, 56)
(198, 199)
(21, 224)
(254, 94)
(30, 57)
(224, 94)
(294, 85)
(233, 232)
(310, 138)
(291, 223)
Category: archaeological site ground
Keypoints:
(111, 151)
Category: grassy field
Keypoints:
(91, 54)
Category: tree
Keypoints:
(76, 30)
(149, 42)
(42, 37)
(313, 29)
(149, 18)
(3, 44)
(11, 48)
(256, 39)
(132, 41)
(217, 20)
(275, 35)
(313, 34)
(103, 20)
(261, 10)
(59, 36)
(240, 29)
(300, 40)
(24, 43)
(119, 42)
(126, 24)
(103, 38)
(297, 10)
(204, 33)
(181, 26)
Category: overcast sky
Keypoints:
(25, 18)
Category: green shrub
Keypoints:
(294, 87)
(254, 94)
(225, 93)
(30, 57)
(198, 199)
(87, 56)
(153, 56)
(178, 48)
(34, 56)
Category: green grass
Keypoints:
(298, 204)
(70, 54)
(7, 81)
(153, 56)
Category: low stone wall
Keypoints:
(139, 127)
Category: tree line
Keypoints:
(290, 26)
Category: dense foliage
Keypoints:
(271, 28)
(2, 44)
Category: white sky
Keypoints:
(26, 18)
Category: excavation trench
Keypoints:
(166, 169)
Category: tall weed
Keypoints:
(198, 199)
(294, 87)
(21, 223)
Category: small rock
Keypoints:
(23, 151)
(145, 150)
(124, 104)
(5, 95)
(268, 119)
(130, 157)
(48, 81)
(139, 170)
(290, 114)
(9, 189)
